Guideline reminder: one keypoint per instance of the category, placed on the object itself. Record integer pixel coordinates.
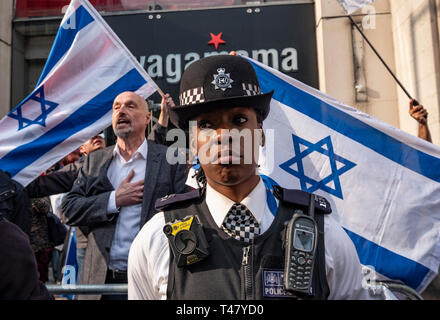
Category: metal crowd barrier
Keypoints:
(395, 287)
(82, 289)
(113, 289)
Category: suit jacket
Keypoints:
(86, 203)
(62, 180)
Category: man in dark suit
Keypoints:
(115, 192)
(61, 181)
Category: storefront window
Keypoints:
(45, 8)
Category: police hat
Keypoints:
(221, 81)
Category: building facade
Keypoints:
(6, 16)
(405, 33)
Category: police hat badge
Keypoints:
(235, 84)
(222, 80)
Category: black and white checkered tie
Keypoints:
(241, 224)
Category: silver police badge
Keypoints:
(222, 80)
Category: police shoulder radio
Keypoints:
(300, 243)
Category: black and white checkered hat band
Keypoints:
(192, 96)
(251, 89)
(196, 95)
(241, 224)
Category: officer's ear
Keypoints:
(193, 138)
(193, 148)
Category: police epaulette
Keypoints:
(172, 199)
(302, 198)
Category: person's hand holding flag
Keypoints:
(420, 114)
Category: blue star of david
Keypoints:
(45, 105)
(329, 152)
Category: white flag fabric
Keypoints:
(352, 6)
(87, 68)
(382, 183)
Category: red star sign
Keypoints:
(216, 40)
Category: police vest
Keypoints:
(236, 270)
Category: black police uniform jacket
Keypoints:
(235, 270)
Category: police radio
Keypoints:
(187, 240)
(300, 243)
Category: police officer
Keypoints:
(240, 252)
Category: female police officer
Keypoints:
(222, 241)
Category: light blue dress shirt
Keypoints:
(129, 218)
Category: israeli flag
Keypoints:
(87, 68)
(352, 6)
(70, 265)
(382, 183)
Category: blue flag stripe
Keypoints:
(353, 128)
(388, 263)
(65, 37)
(85, 116)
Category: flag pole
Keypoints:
(160, 91)
(382, 60)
